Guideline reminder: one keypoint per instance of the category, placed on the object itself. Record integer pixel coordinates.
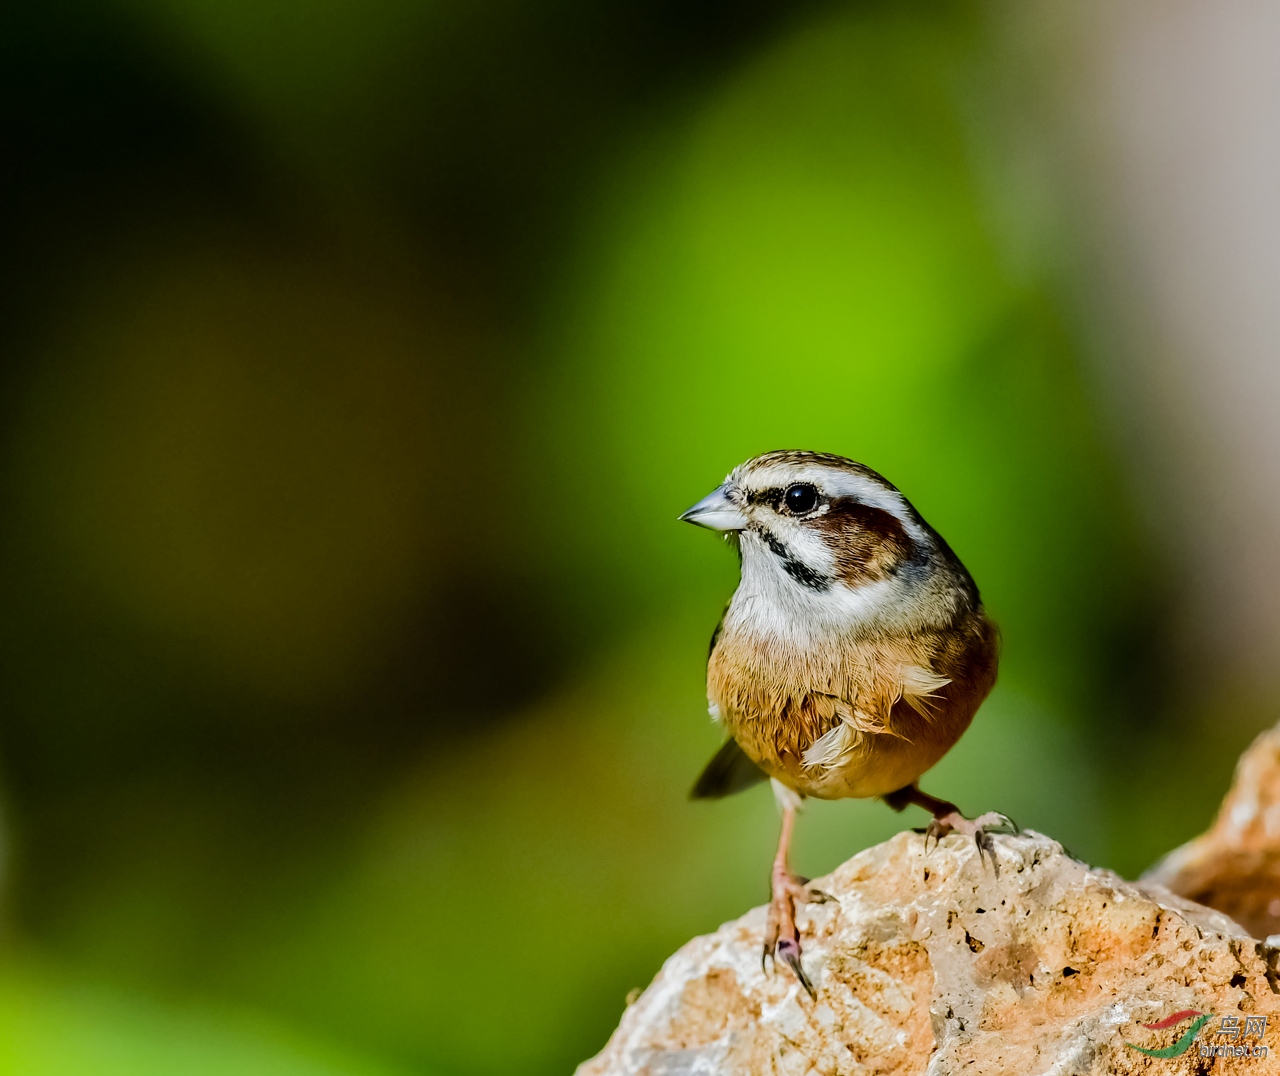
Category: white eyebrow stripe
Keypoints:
(837, 482)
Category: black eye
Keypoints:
(800, 499)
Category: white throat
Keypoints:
(771, 604)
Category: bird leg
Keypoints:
(948, 819)
(781, 937)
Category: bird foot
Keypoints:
(781, 936)
(980, 829)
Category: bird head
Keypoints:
(829, 544)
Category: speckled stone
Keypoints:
(935, 964)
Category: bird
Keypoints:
(852, 656)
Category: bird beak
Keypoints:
(716, 512)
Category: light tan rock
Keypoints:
(934, 964)
(1235, 866)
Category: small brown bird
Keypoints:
(852, 656)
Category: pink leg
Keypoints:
(781, 937)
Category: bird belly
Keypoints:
(883, 763)
(878, 764)
(778, 703)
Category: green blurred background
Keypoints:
(358, 360)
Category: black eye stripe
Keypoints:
(776, 497)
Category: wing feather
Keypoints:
(920, 687)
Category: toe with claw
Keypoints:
(788, 951)
(781, 935)
(980, 829)
(948, 819)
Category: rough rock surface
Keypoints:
(1235, 866)
(934, 964)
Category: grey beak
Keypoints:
(715, 512)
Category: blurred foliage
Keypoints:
(49, 1027)
(361, 360)
(237, 452)
(810, 265)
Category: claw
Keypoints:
(800, 889)
(987, 847)
(980, 828)
(781, 938)
(789, 952)
(772, 931)
(937, 829)
(1006, 825)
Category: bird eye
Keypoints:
(800, 499)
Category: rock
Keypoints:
(1235, 866)
(935, 964)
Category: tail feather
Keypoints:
(729, 771)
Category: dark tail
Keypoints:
(729, 771)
